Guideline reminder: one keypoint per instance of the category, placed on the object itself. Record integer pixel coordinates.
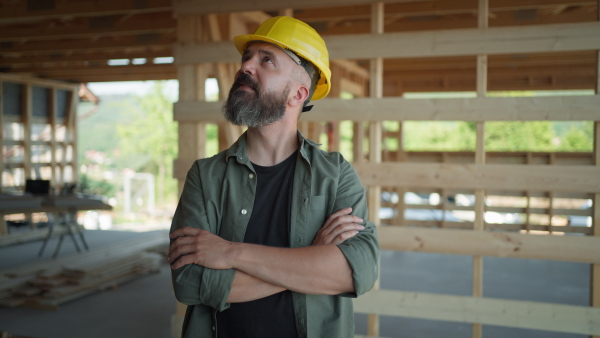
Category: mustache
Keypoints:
(245, 80)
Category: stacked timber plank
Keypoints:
(51, 283)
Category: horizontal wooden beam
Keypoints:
(24, 79)
(499, 40)
(184, 7)
(116, 73)
(399, 23)
(427, 9)
(561, 108)
(103, 56)
(511, 313)
(583, 249)
(91, 27)
(477, 176)
(19, 11)
(120, 77)
(159, 40)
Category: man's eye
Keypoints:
(268, 60)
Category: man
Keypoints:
(253, 251)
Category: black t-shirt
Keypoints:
(269, 225)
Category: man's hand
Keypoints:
(339, 227)
(195, 246)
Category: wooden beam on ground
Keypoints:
(560, 108)
(490, 311)
(496, 40)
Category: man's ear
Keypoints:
(299, 96)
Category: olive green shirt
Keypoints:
(218, 196)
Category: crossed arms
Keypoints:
(261, 271)
(209, 270)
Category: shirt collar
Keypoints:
(238, 149)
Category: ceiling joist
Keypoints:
(23, 11)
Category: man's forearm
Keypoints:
(246, 288)
(320, 269)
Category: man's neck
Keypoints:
(270, 145)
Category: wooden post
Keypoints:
(287, 12)
(479, 223)
(333, 127)
(3, 227)
(192, 78)
(1, 147)
(52, 120)
(375, 133)
(595, 273)
(72, 132)
(26, 119)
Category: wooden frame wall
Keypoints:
(62, 152)
(481, 175)
(53, 158)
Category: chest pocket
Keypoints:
(317, 214)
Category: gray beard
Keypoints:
(255, 109)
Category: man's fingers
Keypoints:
(187, 231)
(179, 242)
(343, 229)
(340, 220)
(183, 260)
(179, 251)
(332, 217)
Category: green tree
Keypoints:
(577, 140)
(153, 134)
(519, 136)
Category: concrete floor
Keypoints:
(143, 307)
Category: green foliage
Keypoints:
(576, 139)
(438, 136)
(92, 186)
(519, 136)
(152, 134)
(97, 131)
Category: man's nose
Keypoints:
(248, 67)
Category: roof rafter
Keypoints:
(89, 27)
(19, 11)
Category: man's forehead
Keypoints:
(265, 47)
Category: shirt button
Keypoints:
(213, 328)
(251, 176)
(244, 211)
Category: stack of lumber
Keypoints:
(51, 283)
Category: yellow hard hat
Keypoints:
(300, 38)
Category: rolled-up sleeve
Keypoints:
(361, 251)
(194, 284)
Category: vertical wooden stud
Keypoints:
(479, 224)
(375, 135)
(595, 268)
